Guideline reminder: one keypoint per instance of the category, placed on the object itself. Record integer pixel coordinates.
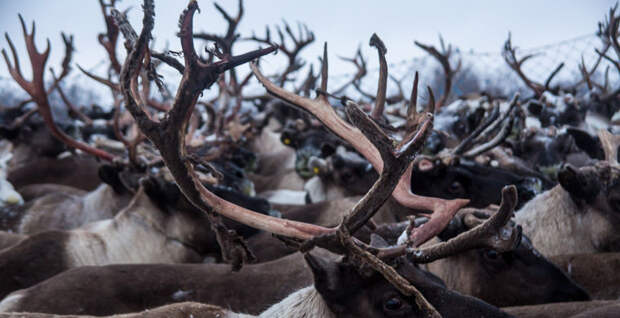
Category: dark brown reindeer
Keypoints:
(502, 278)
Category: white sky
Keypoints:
(469, 25)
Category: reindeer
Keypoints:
(56, 208)
(502, 279)
(580, 214)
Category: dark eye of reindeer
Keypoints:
(456, 188)
(615, 204)
(491, 255)
(393, 304)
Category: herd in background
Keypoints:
(305, 200)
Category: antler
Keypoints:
(443, 58)
(304, 38)
(36, 89)
(610, 145)
(467, 147)
(510, 56)
(443, 210)
(109, 39)
(495, 233)
(609, 33)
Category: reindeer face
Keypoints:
(521, 277)
(596, 190)
(308, 145)
(468, 180)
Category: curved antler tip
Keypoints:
(509, 193)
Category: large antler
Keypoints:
(442, 210)
(36, 89)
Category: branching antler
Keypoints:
(443, 210)
(109, 39)
(169, 134)
(510, 56)
(304, 38)
(443, 58)
(36, 89)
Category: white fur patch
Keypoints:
(10, 302)
(306, 302)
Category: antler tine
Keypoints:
(324, 74)
(552, 75)
(610, 145)
(37, 92)
(377, 111)
(109, 39)
(396, 161)
(113, 86)
(465, 144)
(512, 104)
(72, 108)
(496, 233)
(499, 138)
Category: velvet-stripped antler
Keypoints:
(36, 89)
(442, 210)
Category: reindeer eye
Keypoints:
(456, 188)
(393, 304)
(491, 254)
(615, 204)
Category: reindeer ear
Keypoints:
(582, 184)
(327, 276)
(161, 192)
(109, 176)
(378, 241)
(588, 143)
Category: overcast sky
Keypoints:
(470, 25)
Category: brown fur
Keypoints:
(60, 210)
(597, 273)
(570, 309)
(141, 233)
(180, 310)
(8, 239)
(558, 226)
(515, 278)
(78, 172)
(120, 288)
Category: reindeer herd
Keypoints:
(299, 199)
